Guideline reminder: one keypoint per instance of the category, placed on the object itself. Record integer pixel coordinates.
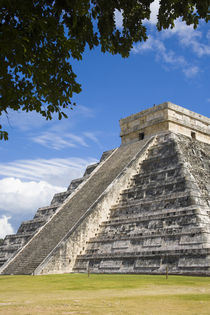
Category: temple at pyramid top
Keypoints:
(165, 117)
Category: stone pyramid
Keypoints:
(143, 208)
(13, 243)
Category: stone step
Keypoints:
(90, 168)
(13, 243)
(45, 212)
(127, 213)
(93, 253)
(145, 266)
(75, 183)
(60, 224)
(31, 226)
(148, 253)
(17, 238)
(170, 171)
(151, 234)
(151, 217)
(9, 248)
(171, 201)
(152, 164)
(161, 213)
(163, 148)
(160, 189)
(151, 182)
(106, 154)
(60, 197)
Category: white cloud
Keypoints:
(166, 56)
(200, 49)
(17, 196)
(22, 120)
(180, 29)
(59, 140)
(84, 111)
(92, 136)
(30, 184)
(158, 46)
(58, 172)
(118, 19)
(55, 141)
(77, 139)
(192, 44)
(144, 46)
(5, 226)
(25, 121)
(154, 7)
(188, 37)
(191, 71)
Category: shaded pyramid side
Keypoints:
(14, 242)
(163, 218)
(74, 210)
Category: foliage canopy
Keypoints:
(40, 38)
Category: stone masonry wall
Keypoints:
(69, 214)
(63, 257)
(13, 243)
(162, 219)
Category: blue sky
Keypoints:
(41, 158)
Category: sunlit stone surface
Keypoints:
(144, 208)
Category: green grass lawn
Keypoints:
(104, 294)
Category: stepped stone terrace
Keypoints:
(143, 208)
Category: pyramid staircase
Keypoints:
(14, 242)
(144, 208)
(72, 212)
(162, 220)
